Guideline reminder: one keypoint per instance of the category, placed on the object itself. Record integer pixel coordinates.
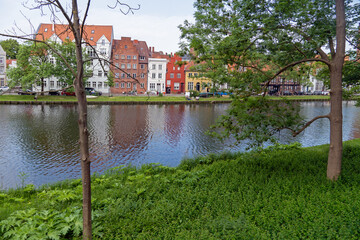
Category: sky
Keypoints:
(156, 22)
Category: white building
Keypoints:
(2, 67)
(99, 37)
(157, 73)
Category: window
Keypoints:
(190, 75)
(179, 75)
(100, 73)
(52, 84)
(91, 38)
(99, 84)
(116, 56)
(122, 66)
(128, 75)
(134, 57)
(123, 75)
(91, 62)
(116, 64)
(128, 85)
(153, 66)
(168, 82)
(105, 73)
(142, 66)
(179, 68)
(134, 75)
(45, 30)
(91, 52)
(153, 75)
(142, 57)
(141, 85)
(1, 60)
(58, 84)
(103, 42)
(128, 57)
(129, 66)
(195, 74)
(116, 85)
(116, 75)
(2, 69)
(102, 51)
(105, 85)
(94, 84)
(134, 66)
(122, 85)
(174, 68)
(92, 31)
(88, 84)
(160, 67)
(171, 75)
(125, 47)
(190, 86)
(160, 75)
(152, 86)
(142, 75)
(176, 86)
(122, 56)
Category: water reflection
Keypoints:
(42, 141)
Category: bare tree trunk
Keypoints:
(42, 86)
(335, 151)
(83, 130)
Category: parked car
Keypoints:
(286, 93)
(92, 91)
(317, 93)
(54, 92)
(26, 92)
(68, 92)
(4, 88)
(325, 93)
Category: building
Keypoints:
(2, 67)
(129, 66)
(283, 86)
(175, 75)
(157, 71)
(194, 81)
(100, 41)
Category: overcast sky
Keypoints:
(156, 22)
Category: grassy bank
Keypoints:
(180, 98)
(279, 193)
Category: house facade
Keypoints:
(2, 67)
(175, 75)
(129, 65)
(100, 41)
(157, 71)
(194, 81)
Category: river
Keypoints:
(39, 143)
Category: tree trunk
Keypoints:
(335, 151)
(42, 86)
(83, 130)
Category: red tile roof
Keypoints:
(92, 33)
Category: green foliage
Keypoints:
(280, 192)
(11, 47)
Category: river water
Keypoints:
(39, 143)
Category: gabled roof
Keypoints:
(10, 61)
(92, 33)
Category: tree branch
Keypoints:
(295, 133)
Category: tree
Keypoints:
(11, 47)
(33, 66)
(71, 13)
(269, 38)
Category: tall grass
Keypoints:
(279, 193)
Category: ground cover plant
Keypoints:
(276, 193)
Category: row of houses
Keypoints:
(135, 66)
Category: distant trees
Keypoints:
(11, 47)
(247, 44)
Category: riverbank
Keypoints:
(46, 99)
(277, 193)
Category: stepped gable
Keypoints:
(92, 33)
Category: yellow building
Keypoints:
(194, 81)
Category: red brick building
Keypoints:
(130, 69)
(175, 76)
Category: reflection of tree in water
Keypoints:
(174, 116)
(129, 131)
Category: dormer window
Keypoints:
(92, 31)
(91, 38)
(103, 42)
(45, 30)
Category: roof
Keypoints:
(10, 61)
(92, 33)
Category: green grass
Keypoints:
(278, 193)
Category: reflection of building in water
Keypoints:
(129, 129)
(174, 116)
